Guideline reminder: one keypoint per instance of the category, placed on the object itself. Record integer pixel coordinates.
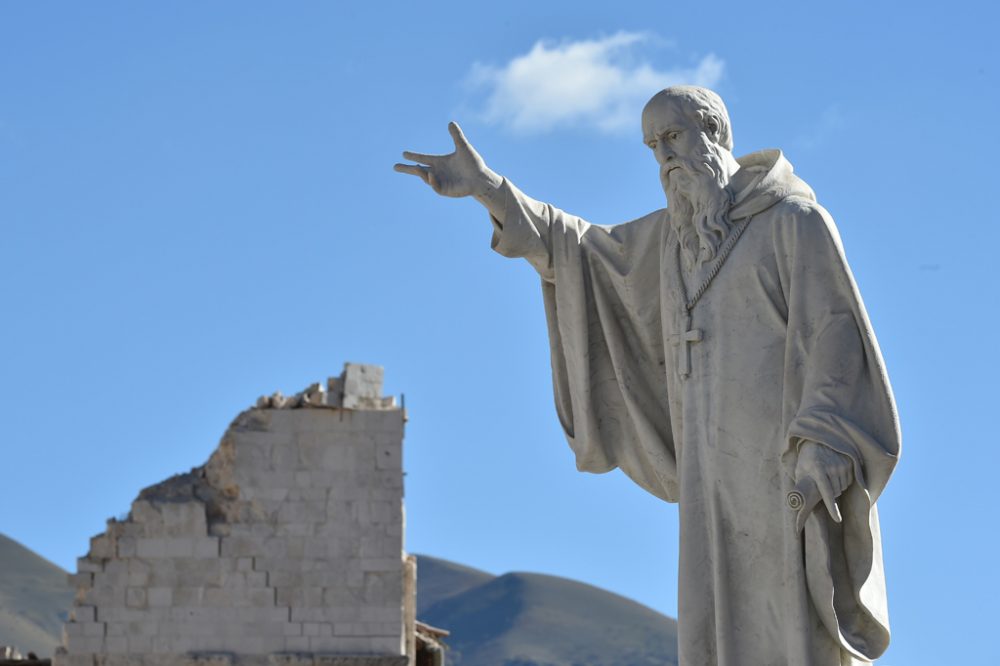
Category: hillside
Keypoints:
(34, 599)
(523, 619)
(438, 580)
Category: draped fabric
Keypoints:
(786, 355)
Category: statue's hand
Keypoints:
(830, 470)
(458, 174)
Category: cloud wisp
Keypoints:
(594, 83)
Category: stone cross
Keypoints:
(686, 337)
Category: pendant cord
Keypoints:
(727, 247)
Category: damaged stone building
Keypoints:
(286, 547)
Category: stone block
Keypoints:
(103, 595)
(367, 629)
(83, 614)
(389, 456)
(88, 565)
(381, 564)
(63, 659)
(290, 659)
(360, 660)
(253, 454)
(116, 616)
(274, 616)
(317, 629)
(239, 546)
(115, 574)
(297, 643)
(259, 598)
(102, 547)
(386, 644)
(289, 596)
(126, 546)
(160, 597)
(145, 513)
(84, 644)
(342, 596)
(214, 597)
(201, 572)
(210, 659)
(207, 547)
(384, 512)
(360, 382)
(115, 645)
(374, 613)
(177, 547)
(139, 644)
(114, 629)
(184, 518)
(293, 629)
(85, 579)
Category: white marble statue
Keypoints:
(718, 352)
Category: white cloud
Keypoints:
(599, 83)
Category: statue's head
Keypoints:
(694, 106)
(688, 130)
(684, 126)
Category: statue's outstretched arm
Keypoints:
(522, 225)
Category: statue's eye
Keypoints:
(673, 136)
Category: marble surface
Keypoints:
(717, 351)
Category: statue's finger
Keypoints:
(803, 516)
(458, 136)
(845, 479)
(829, 498)
(422, 158)
(413, 170)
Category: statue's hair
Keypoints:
(706, 107)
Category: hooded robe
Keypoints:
(786, 354)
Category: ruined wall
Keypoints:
(285, 548)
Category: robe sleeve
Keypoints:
(601, 291)
(837, 394)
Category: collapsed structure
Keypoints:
(286, 547)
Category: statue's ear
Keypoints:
(712, 126)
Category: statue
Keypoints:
(717, 352)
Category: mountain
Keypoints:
(524, 619)
(34, 599)
(438, 580)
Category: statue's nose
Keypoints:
(663, 153)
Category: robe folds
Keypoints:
(786, 355)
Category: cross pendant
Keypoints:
(685, 338)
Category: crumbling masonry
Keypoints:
(286, 547)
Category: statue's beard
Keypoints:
(699, 199)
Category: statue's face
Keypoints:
(675, 138)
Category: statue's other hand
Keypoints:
(458, 174)
(830, 470)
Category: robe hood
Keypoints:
(774, 181)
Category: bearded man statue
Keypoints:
(717, 352)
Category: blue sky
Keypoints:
(198, 207)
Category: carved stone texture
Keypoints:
(287, 544)
(718, 353)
